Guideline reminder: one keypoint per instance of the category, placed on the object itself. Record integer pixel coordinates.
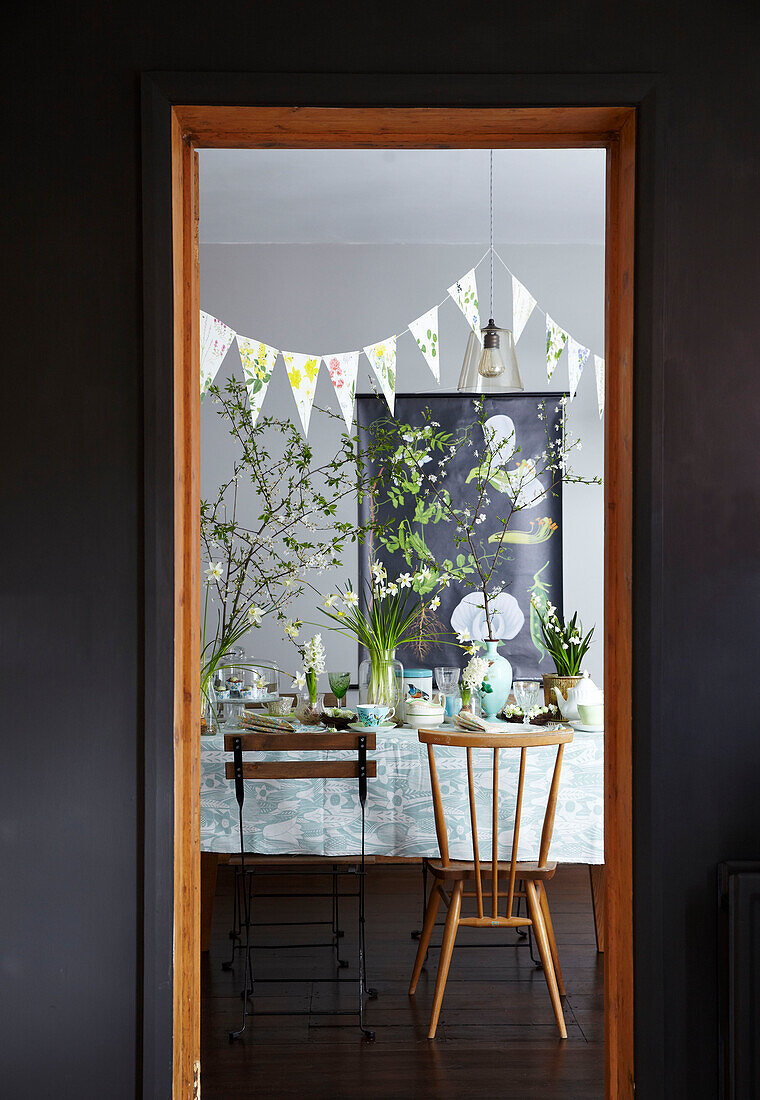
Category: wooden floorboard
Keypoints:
(496, 1036)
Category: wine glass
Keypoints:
(526, 695)
(446, 679)
(340, 683)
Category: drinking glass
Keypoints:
(526, 695)
(340, 683)
(446, 680)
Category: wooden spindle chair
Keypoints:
(453, 874)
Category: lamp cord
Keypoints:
(490, 201)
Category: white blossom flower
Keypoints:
(300, 681)
(255, 615)
(214, 570)
(435, 603)
(314, 655)
(330, 600)
(404, 580)
(475, 672)
(464, 636)
(351, 598)
(292, 628)
(392, 589)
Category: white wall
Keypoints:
(326, 298)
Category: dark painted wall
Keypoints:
(71, 459)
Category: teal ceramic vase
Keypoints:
(499, 680)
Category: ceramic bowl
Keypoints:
(424, 717)
(591, 714)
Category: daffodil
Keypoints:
(214, 570)
(255, 615)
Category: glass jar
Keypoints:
(381, 679)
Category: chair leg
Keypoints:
(543, 897)
(539, 927)
(447, 948)
(431, 912)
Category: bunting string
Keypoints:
(258, 358)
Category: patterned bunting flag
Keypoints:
(258, 363)
(577, 357)
(382, 359)
(465, 294)
(302, 372)
(599, 371)
(216, 338)
(425, 332)
(523, 304)
(343, 367)
(556, 338)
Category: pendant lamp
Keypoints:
(490, 366)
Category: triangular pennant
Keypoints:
(523, 304)
(556, 338)
(258, 363)
(216, 338)
(425, 332)
(599, 371)
(302, 372)
(382, 359)
(465, 294)
(577, 357)
(343, 367)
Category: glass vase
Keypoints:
(381, 679)
(209, 711)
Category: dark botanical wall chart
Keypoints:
(532, 564)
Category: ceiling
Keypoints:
(400, 196)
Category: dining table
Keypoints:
(317, 818)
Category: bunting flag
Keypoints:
(216, 338)
(425, 332)
(382, 359)
(523, 304)
(258, 361)
(343, 367)
(577, 357)
(465, 294)
(556, 338)
(599, 372)
(302, 372)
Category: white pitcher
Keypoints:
(585, 691)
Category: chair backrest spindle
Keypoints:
(495, 838)
(516, 833)
(474, 825)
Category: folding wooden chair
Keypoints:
(451, 875)
(360, 769)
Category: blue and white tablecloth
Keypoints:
(321, 816)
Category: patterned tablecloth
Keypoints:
(321, 816)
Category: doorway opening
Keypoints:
(611, 129)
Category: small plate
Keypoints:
(370, 729)
(579, 726)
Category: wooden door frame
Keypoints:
(192, 126)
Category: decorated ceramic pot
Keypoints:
(499, 680)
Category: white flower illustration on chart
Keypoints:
(520, 482)
(469, 616)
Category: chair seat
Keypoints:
(459, 869)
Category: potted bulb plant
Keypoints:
(567, 646)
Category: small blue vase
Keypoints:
(499, 678)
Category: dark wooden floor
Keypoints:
(496, 1038)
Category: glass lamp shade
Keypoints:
(490, 369)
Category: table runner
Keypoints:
(321, 816)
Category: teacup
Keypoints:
(591, 714)
(373, 714)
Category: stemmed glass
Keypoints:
(340, 683)
(526, 694)
(446, 679)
